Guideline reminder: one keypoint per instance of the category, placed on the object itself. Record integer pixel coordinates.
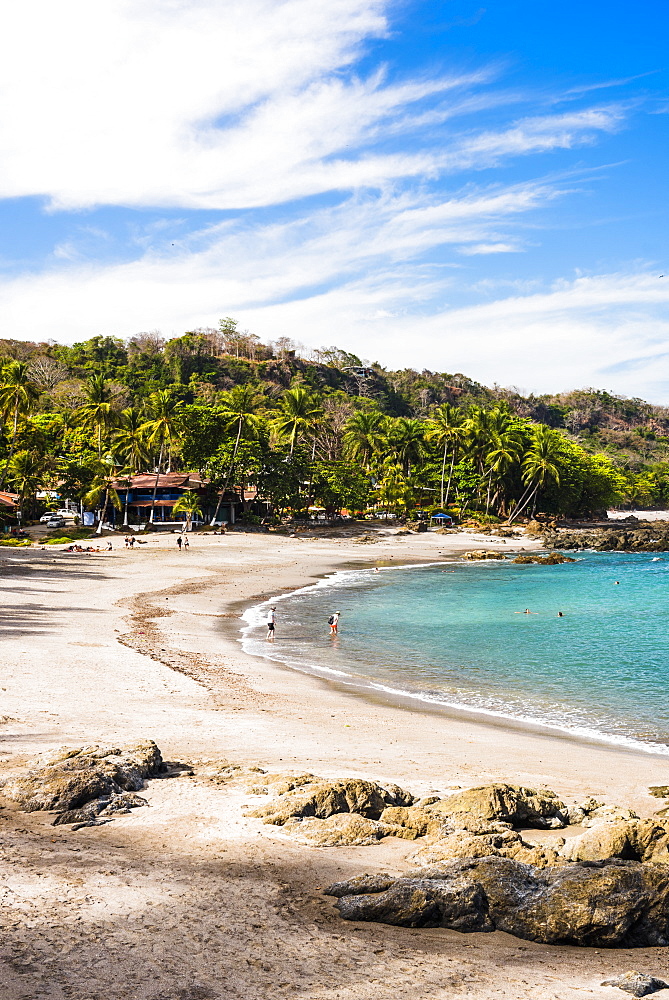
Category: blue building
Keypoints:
(136, 495)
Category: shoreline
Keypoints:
(417, 702)
(192, 892)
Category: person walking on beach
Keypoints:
(186, 542)
(179, 542)
(271, 621)
(333, 622)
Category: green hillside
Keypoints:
(329, 430)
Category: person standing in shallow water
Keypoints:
(271, 621)
(333, 622)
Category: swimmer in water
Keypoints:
(617, 583)
(560, 615)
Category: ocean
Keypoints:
(455, 635)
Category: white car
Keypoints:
(56, 522)
(64, 512)
(47, 517)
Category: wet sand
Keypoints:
(188, 899)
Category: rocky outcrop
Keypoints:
(592, 811)
(343, 830)
(103, 808)
(552, 559)
(637, 984)
(471, 824)
(81, 784)
(601, 904)
(416, 820)
(505, 843)
(632, 839)
(321, 799)
(512, 804)
(659, 791)
(641, 536)
(476, 554)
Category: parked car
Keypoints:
(56, 522)
(64, 512)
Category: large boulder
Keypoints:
(631, 839)
(507, 803)
(492, 839)
(637, 984)
(601, 904)
(323, 798)
(79, 776)
(417, 819)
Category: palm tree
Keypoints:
(540, 465)
(239, 411)
(163, 423)
(406, 438)
(25, 470)
(300, 413)
(491, 438)
(18, 394)
(364, 437)
(97, 412)
(189, 504)
(131, 444)
(103, 486)
(477, 435)
(446, 428)
(395, 488)
(506, 449)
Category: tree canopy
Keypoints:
(327, 430)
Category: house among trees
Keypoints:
(136, 494)
(9, 501)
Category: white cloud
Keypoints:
(483, 248)
(235, 266)
(533, 135)
(355, 275)
(608, 331)
(226, 105)
(203, 104)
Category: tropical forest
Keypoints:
(314, 430)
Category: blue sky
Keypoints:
(448, 184)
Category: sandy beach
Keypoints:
(190, 899)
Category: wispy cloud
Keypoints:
(609, 331)
(606, 84)
(335, 208)
(238, 264)
(226, 106)
(484, 248)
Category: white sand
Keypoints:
(189, 900)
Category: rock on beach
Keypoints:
(601, 904)
(82, 784)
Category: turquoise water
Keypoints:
(454, 634)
